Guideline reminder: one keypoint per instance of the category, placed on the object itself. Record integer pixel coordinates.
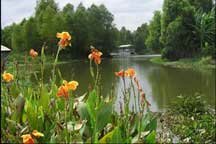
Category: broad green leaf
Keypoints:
(91, 103)
(44, 99)
(116, 137)
(104, 115)
(83, 112)
(152, 125)
(107, 138)
(151, 138)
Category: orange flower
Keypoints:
(130, 72)
(65, 38)
(95, 55)
(120, 73)
(64, 35)
(72, 85)
(27, 139)
(33, 53)
(63, 91)
(37, 134)
(7, 77)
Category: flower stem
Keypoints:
(55, 62)
(66, 120)
(134, 96)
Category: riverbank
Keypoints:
(189, 120)
(201, 63)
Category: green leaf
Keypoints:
(83, 112)
(151, 138)
(112, 137)
(104, 115)
(44, 99)
(91, 102)
(107, 137)
(116, 137)
(151, 123)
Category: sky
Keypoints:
(128, 13)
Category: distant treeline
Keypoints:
(184, 28)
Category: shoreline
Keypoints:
(205, 63)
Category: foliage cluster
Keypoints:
(192, 120)
(183, 29)
(62, 116)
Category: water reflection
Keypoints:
(161, 84)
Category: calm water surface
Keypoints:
(161, 84)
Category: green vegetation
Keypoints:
(183, 29)
(191, 120)
(92, 26)
(153, 40)
(196, 63)
(60, 115)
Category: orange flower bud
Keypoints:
(33, 53)
(120, 73)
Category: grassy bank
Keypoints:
(188, 120)
(196, 63)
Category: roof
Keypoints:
(3, 48)
(128, 45)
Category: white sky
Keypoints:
(128, 13)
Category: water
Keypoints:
(161, 84)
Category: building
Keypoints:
(124, 50)
(4, 54)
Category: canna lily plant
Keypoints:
(55, 109)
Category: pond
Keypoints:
(161, 84)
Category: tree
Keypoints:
(6, 35)
(17, 40)
(177, 32)
(139, 39)
(205, 30)
(153, 40)
(126, 36)
(203, 5)
(101, 31)
(31, 35)
(80, 32)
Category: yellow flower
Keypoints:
(130, 72)
(7, 77)
(65, 38)
(33, 53)
(95, 55)
(37, 134)
(72, 85)
(27, 139)
(64, 35)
